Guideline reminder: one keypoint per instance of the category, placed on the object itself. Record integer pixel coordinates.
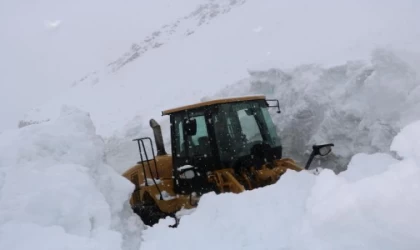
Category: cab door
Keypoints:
(192, 149)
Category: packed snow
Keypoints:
(372, 205)
(56, 191)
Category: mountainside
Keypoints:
(48, 45)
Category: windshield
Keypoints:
(239, 126)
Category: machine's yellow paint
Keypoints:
(171, 202)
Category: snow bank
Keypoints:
(373, 205)
(56, 192)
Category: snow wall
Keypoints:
(359, 106)
(372, 205)
(56, 192)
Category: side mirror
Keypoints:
(190, 126)
(321, 150)
(277, 105)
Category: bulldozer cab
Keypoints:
(230, 133)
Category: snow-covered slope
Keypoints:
(47, 45)
(56, 192)
(238, 35)
(373, 205)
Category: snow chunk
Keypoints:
(166, 196)
(180, 169)
(56, 190)
(150, 181)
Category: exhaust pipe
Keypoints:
(157, 132)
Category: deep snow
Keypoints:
(56, 191)
(372, 205)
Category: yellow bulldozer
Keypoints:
(223, 145)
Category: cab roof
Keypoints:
(213, 102)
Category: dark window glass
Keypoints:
(199, 144)
(239, 126)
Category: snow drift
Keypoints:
(56, 192)
(372, 205)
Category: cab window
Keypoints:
(199, 144)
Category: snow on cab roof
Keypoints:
(213, 102)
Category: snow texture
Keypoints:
(56, 192)
(372, 205)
